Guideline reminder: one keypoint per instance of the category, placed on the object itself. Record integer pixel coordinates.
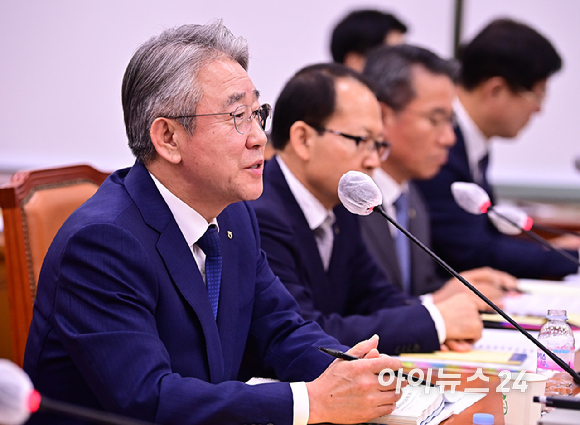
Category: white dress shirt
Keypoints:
(312, 208)
(316, 214)
(476, 144)
(193, 226)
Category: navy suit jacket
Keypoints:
(377, 235)
(122, 320)
(466, 241)
(352, 300)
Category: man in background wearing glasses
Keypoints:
(327, 121)
(504, 75)
(155, 296)
(415, 88)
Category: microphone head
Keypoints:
(15, 392)
(504, 217)
(358, 193)
(471, 197)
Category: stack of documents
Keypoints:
(497, 350)
(508, 350)
(420, 405)
(542, 295)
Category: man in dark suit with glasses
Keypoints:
(155, 296)
(327, 121)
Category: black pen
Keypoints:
(345, 356)
(562, 401)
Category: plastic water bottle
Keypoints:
(557, 336)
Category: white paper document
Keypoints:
(420, 405)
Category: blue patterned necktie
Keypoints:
(210, 245)
(402, 242)
(483, 164)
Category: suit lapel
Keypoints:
(178, 259)
(188, 281)
(459, 154)
(382, 239)
(305, 236)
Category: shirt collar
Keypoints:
(476, 144)
(390, 189)
(189, 221)
(312, 208)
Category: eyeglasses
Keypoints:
(364, 144)
(533, 97)
(438, 119)
(243, 117)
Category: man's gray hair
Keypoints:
(161, 78)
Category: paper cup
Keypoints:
(518, 405)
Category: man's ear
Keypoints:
(301, 138)
(166, 139)
(355, 60)
(388, 116)
(494, 87)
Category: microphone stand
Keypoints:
(94, 416)
(539, 239)
(555, 230)
(498, 310)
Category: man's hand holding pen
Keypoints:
(350, 391)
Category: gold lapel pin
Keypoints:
(230, 234)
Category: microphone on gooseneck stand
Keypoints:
(19, 399)
(360, 195)
(508, 220)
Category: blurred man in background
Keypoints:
(355, 35)
(505, 71)
(360, 31)
(415, 88)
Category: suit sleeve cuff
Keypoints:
(427, 301)
(301, 403)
